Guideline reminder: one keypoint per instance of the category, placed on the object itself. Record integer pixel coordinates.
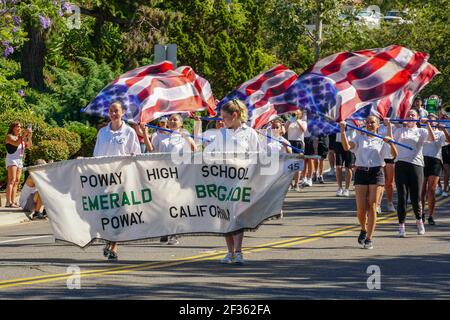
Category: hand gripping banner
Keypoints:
(128, 198)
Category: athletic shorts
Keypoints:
(433, 167)
(331, 141)
(343, 158)
(297, 144)
(446, 154)
(322, 147)
(309, 146)
(369, 176)
(14, 162)
(387, 161)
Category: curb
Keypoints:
(12, 218)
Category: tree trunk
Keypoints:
(33, 55)
(318, 36)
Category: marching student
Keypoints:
(237, 137)
(370, 152)
(432, 154)
(295, 128)
(409, 168)
(389, 170)
(159, 135)
(275, 131)
(114, 139)
(346, 159)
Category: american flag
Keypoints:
(368, 75)
(263, 95)
(153, 91)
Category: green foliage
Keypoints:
(10, 86)
(71, 139)
(87, 134)
(49, 150)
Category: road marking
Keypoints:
(23, 239)
(203, 257)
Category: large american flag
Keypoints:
(369, 75)
(263, 95)
(153, 91)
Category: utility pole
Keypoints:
(318, 29)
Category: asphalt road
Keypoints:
(311, 253)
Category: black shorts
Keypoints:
(322, 147)
(446, 154)
(331, 141)
(391, 161)
(297, 144)
(343, 157)
(369, 176)
(433, 167)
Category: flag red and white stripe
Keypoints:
(368, 75)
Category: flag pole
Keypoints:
(281, 142)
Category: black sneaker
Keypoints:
(368, 244)
(362, 237)
(164, 240)
(423, 218)
(314, 177)
(431, 221)
(106, 251)
(113, 256)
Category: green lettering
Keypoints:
(246, 194)
(222, 196)
(146, 195)
(211, 190)
(93, 205)
(114, 199)
(233, 197)
(104, 201)
(200, 189)
(133, 200)
(83, 200)
(125, 200)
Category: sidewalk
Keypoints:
(11, 216)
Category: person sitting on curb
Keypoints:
(30, 200)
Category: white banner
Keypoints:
(146, 196)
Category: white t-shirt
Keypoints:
(350, 133)
(369, 151)
(116, 143)
(242, 139)
(383, 131)
(156, 139)
(174, 142)
(434, 148)
(414, 138)
(273, 145)
(294, 132)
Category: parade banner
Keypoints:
(126, 198)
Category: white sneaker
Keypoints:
(438, 191)
(401, 230)
(390, 207)
(444, 194)
(378, 210)
(228, 259)
(346, 193)
(309, 183)
(420, 227)
(339, 192)
(239, 259)
(331, 173)
(173, 240)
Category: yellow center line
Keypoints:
(203, 257)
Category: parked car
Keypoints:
(396, 17)
(369, 18)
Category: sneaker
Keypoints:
(438, 191)
(362, 237)
(444, 194)
(106, 251)
(368, 244)
(239, 259)
(378, 210)
(401, 230)
(38, 216)
(339, 192)
(431, 221)
(331, 173)
(228, 259)
(390, 207)
(320, 178)
(314, 177)
(173, 240)
(346, 193)
(30, 215)
(113, 256)
(309, 182)
(420, 227)
(164, 240)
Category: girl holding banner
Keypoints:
(116, 139)
(370, 152)
(409, 168)
(237, 137)
(432, 153)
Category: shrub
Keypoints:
(88, 137)
(49, 150)
(71, 139)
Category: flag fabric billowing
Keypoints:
(153, 91)
(263, 95)
(368, 75)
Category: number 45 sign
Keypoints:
(294, 165)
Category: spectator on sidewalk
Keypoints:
(16, 142)
(30, 200)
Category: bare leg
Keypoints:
(389, 181)
(374, 194)
(348, 177)
(361, 194)
(339, 176)
(12, 171)
(432, 184)
(230, 243)
(16, 185)
(238, 238)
